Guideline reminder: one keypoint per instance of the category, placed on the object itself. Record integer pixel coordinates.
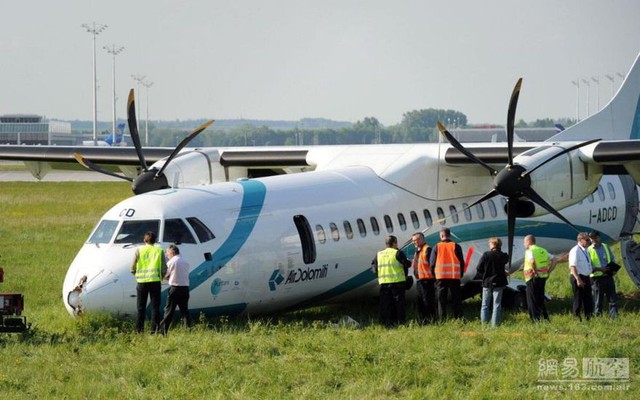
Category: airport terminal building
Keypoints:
(33, 129)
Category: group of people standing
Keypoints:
(150, 267)
(438, 272)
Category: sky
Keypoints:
(338, 59)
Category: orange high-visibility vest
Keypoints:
(447, 264)
(424, 268)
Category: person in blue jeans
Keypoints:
(491, 269)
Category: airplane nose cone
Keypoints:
(102, 291)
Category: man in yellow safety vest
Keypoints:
(148, 267)
(602, 277)
(391, 266)
(538, 264)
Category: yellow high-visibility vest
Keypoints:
(390, 270)
(149, 266)
(541, 259)
(595, 259)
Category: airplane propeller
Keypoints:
(149, 179)
(514, 180)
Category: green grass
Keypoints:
(294, 355)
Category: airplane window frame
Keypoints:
(185, 231)
(388, 223)
(320, 234)
(201, 230)
(347, 229)
(307, 242)
(428, 219)
(612, 191)
(441, 217)
(492, 208)
(480, 211)
(467, 212)
(143, 226)
(590, 198)
(362, 228)
(375, 227)
(402, 222)
(503, 201)
(335, 232)
(600, 191)
(454, 213)
(414, 219)
(105, 230)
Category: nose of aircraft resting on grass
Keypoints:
(92, 284)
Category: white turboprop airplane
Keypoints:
(307, 234)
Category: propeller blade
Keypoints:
(133, 129)
(89, 165)
(463, 150)
(565, 151)
(511, 223)
(511, 116)
(492, 193)
(184, 142)
(535, 197)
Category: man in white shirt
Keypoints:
(178, 277)
(580, 268)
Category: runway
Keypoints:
(56, 176)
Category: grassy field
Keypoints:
(296, 355)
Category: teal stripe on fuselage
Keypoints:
(252, 201)
(635, 127)
(461, 233)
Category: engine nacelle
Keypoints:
(193, 167)
(563, 181)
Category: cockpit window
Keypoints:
(104, 232)
(204, 234)
(133, 231)
(176, 231)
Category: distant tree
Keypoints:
(418, 125)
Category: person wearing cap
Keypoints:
(602, 277)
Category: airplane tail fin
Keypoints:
(618, 120)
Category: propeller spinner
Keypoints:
(149, 179)
(514, 180)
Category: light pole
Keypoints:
(576, 83)
(146, 123)
(597, 81)
(138, 78)
(94, 29)
(114, 51)
(586, 82)
(610, 78)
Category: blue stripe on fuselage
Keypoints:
(252, 201)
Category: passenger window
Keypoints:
(132, 232)
(374, 226)
(503, 201)
(361, 227)
(204, 234)
(492, 208)
(454, 213)
(388, 223)
(427, 217)
(612, 191)
(467, 211)
(335, 234)
(600, 193)
(306, 239)
(414, 219)
(441, 216)
(320, 234)
(176, 231)
(402, 222)
(590, 198)
(347, 229)
(480, 211)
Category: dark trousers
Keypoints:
(444, 288)
(535, 299)
(582, 297)
(392, 301)
(426, 301)
(605, 286)
(178, 297)
(151, 290)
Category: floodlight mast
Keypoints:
(114, 51)
(146, 123)
(95, 29)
